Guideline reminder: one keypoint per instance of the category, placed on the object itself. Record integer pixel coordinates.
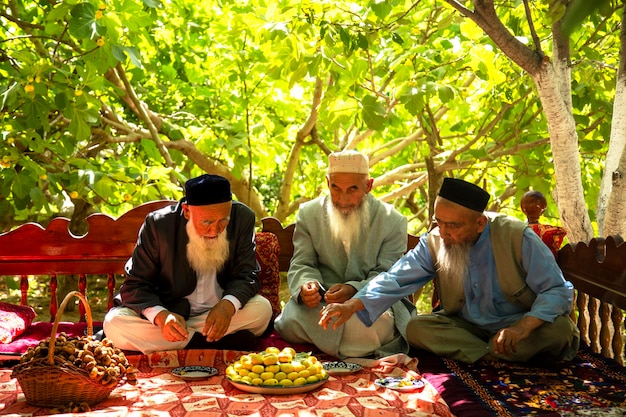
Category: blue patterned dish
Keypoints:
(194, 372)
(400, 384)
(341, 368)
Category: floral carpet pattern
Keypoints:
(159, 393)
(589, 385)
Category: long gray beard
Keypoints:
(453, 262)
(347, 227)
(206, 255)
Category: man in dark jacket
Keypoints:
(193, 272)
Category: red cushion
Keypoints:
(552, 236)
(267, 251)
(14, 320)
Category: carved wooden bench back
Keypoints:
(53, 251)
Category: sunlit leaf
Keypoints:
(82, 23)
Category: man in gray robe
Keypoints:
(341, 241)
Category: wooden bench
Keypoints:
(32, 250)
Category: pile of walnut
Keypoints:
(99, 359)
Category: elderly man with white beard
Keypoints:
(192, 279)
(503, 296)
(341, 241)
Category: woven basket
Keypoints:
(54, 382)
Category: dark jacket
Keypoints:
(158, 272)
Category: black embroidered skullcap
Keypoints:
(207, 189)
(464, 193)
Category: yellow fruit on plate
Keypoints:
(267, 375)
(298, 366)
(284, 357)
(274, 367)
(290, 350)
(286, 368)
(299, 381)
(270, 359)
(256, 358)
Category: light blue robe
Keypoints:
(318, 257)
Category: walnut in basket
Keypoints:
(99, 359)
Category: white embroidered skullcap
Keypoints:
(348, 162)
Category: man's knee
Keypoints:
(416, 330)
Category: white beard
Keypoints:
(453, 262)
(346, 228)
(206, 255)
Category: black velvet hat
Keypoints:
(464, 193)
(207, 189)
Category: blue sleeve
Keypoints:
(407, 275)
(554, 294)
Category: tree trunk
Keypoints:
(553, 81)
(611, 210)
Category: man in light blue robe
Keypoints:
(341, 241)
(503, 296)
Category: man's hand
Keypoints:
(505, 341)
(310, 294)
(218, 320)
(173, 326)
(339, 293)
(341, 312)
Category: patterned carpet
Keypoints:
(589, 386)
(159, 393)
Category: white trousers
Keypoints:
(360, 341)
(128, 331)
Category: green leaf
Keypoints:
(104, 186)
(82, 23)
(150, 148)
(381, 9)
(362, 41)
(298, 75)
(373, 113)
(9, 95)
(152, 3)
(446, 93)
(413, 102)
(397, 38)
(578, 11)
(37, 112)
(78, 123)
(61, 100)
(23, 182)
